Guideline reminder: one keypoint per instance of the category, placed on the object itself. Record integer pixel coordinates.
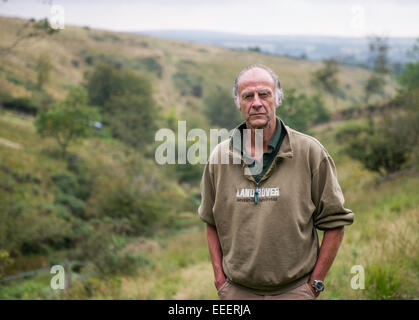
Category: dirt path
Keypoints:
(10, 144)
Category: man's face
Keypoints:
(256, 90)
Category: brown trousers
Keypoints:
(229, 291)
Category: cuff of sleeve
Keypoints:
(335, 221)
(206, 217)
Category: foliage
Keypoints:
(5, 260)
(391, 143)
(385, 147)
(132, 119)
(24, 230)
(105, 250)
(107, 81)
(301, 111)
(152, 64)
(220, 109)
(67, 122)
(24, 105)
(126, 102)
(326, 78)
(44, 66)
(188, 83)
(42, 100)
(377, 80)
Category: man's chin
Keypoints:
(258, 123)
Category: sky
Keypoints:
(343, 18)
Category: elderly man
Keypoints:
(262, 211)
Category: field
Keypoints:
(383, 238)
(175, 260)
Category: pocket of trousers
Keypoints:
(309, 290)
(222, 287)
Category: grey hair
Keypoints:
(279, 95)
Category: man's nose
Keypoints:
(256, 101)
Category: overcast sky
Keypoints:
(286, 17)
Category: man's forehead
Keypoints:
(255, 78)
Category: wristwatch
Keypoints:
(318, 285)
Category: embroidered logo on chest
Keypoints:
(264, 194)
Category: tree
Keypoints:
(126, 101)
(326, 79)
(220, 109)
(44, 67)
(67, 122)
(300, 111)
(107, 81)
(378, 55)
(132, 119)
(389, 143)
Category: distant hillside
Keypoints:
(348, 50)
(182, 72)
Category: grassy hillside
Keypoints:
(174, 66)
(174, 261)
(383, 238)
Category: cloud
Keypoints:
(321, 17)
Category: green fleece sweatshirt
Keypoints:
(271, 245)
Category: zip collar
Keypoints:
(284, 152)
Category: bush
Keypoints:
(152, 64)
(384, 147)
(105, 251)
(132, 119)
(66, 124)
(134, 214)
(76, 206)
(107, 81)
(65, 182)
(127, 104)
(25, 230)
(24, 105)
(185, 82)
(220, 109)
(301, 111)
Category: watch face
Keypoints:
(319, 285)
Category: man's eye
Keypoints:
(263, 94)
(248, 96)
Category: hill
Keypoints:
(345, 49)
(130, 222)
(182, 72)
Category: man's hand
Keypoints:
(216, 256)
(219, 282)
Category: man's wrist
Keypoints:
(317, 285)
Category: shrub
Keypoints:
(301, 111)
(105, 251)
(66, 125)
(24, 105)
(152, 64)
(220, 109)
(384, 147)
(75, 205)
(65, 182)
(132, 119)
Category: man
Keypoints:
(261, 224)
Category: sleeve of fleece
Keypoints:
(207, 197)
(328, 198)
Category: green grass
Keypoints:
(166, 58)
(383, 238)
